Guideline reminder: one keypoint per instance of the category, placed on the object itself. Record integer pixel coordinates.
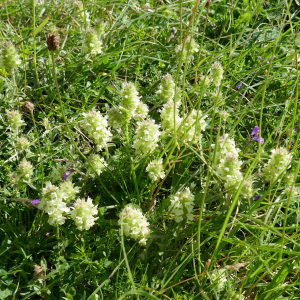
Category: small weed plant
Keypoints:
(149, 149)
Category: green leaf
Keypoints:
(40, 27)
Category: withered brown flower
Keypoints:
(28, 106)
(52, 41)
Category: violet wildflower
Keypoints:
(239, 86)
(255, 130)
(259, 57)
(35, 201)
(66, 175)
(256, 137)
(257, 197)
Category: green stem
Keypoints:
(34, 53)
(131, 163)
(39, 146)
(70, 132)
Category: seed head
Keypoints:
(28, 106)
(52, 41)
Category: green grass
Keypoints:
(188, 260)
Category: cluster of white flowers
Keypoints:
(182, 204)
(57, 172)
(83, 213)
(130, 106)
(155, 169)
(205, 82)
(228, 166)
(141, 111)
(279, 161)
(100, 27)
(167, 88)
(291, 190)
(218, 278)
(134, 224)
(225, 145)
(97, 162)
(83, 14)
(193, 126)
(146, 137)
(92, 43)
(23, 173)
(14, 119)
(292, 56)
(22, 144)
(217, 98)
(96, 126)
(9, 58)
(190, 47)
(115, 118)
(290, 185)
(168, 114)
(52, 203)
(68, 190)
(216, 73)
(223, 115)
(130, 98)
(190, 129)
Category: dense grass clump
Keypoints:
(149, 150)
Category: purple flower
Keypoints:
(267, 62)
(272, 56)
(66, 175)
(259, 57)
(295, 128)
(174, 30)
(239, 86)
(257, 197)
(255, 130)
(35, 201)
(256, 138)
(292, 143)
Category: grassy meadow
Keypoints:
(149, 149)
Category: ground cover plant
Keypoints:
(149, 149)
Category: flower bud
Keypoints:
(190, 47)
(14, 119)
(100, 27)
(23, 173)
(116, 118)
(92, 44)
(9, 58)
(216, 73)
(22, 143)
